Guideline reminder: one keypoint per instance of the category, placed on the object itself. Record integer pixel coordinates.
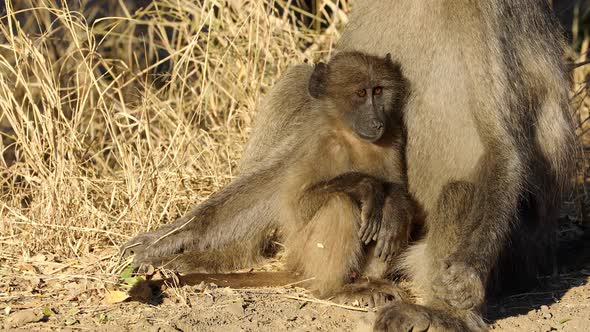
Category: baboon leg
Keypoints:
(230, 257)
(327, 248)
(247, 206)
(386, 209)
(216, 224)
(422, 263)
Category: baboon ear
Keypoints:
(393, 64)
(388, 59)
(317, 80)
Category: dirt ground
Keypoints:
(41, 293)
(149, 110)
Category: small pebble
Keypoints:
(24, 317)
(309, 317)
(201, 287)
(235, 308)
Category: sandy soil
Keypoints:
(40, 293)
(565, 306)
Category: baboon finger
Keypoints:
(372, 228)
(364, 225)
(379, 248)
(387, 253)
(366, 217)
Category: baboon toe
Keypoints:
(152, 249)
(371, 294)
(369, 299)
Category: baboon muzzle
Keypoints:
(370, 128)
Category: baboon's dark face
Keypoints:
(360, 90)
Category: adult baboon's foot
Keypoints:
(459, 285)
(404, 316)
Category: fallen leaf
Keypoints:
(133, 280)
(127, 272)
(73, 312)
(38, 258)
(70, 321)
(113, 297)
(150, 270)
(47, 311)
(321, 246)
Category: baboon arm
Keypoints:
(398, 213)
(367, 191)
(496, 198)
(486, 228)
(386, 209)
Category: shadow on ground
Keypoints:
(557, 297)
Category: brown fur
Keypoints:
(489, 111)
(490, 146)
(336, 190)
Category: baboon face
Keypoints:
(359, 90)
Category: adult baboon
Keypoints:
(341, 185)
(490, 146)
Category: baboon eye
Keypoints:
(361, 93)
(378, 91)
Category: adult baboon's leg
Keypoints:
(421, 264)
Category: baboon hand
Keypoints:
(371, 218)
(395, 228)
(369, 193)
(459, 284)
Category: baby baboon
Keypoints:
(340, 186)
(351, 151)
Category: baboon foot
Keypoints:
(156, 247)
(371, 294)
(402, 317)
(405, 316)
(459, 285)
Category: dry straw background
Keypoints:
(116, 116)
(119, 115)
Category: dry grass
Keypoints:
(115, 118)
(115, 121)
